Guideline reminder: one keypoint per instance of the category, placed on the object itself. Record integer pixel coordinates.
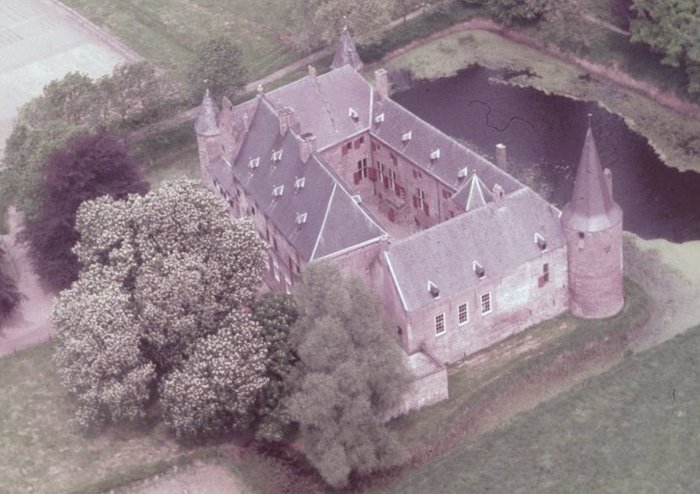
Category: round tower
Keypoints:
(592, 224)
(207, 131)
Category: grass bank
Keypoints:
(43, 453)
(495, 384)
(675, 137)
(632, 429)
(168, 155)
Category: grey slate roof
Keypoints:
(591, 207)
(425, 139)
(499, 238)
(346, 52)
(473, 194)
(333, 220)
(206, 120)
(322, 103)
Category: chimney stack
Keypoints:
(381, 83)
(287, 119)
(501, 156)
(307, 146)
(312, 72)
(499, 195)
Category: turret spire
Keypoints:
(346, 52)
(206, 121)
(591, 207)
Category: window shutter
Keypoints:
(372, 174)
(356, 177)
(415, 201)
(386, 182)
(426, 208)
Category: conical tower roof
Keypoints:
(346, 52)
(473, 194)
(206, 120)
(591, 207)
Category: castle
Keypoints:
(459, 254)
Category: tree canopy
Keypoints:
(9, 294)
(163, 297)
(350, 373)
(132, 95)
(217, 65)
(88, 166)
(671, 28)
(325, 18)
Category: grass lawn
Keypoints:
(632, 429)
(165, 31)
(169, 155)
(42, 452)
(674, 136)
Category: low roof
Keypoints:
(500, 237)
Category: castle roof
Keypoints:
(305, 201)
(499, 237)
(473, 194)
(206, 120)
(591, 207)
(346, 52)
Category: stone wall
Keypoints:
(428, 386)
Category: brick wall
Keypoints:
(517, 301)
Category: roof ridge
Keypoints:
(323, 223)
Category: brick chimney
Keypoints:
(608, 179)
(287, 119)
(381, 83)
(501, 156)
(307, 146)
(499, 195)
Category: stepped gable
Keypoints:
(346, 52)
(591, 207)
(322, 104)
(473, 194)
(205, 124)
(499, 237)
(425, 140)
(320, 201)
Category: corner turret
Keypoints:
(346, 52)
(592, 224)
(208, 133)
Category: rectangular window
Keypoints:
(544, 279)
(392, 180)
(463, 314)
(362, 168)
(446, 194)
(439, 324)
(486, 303)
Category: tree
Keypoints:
(217, 65)
(130, 96)
(9, 294)
(671, 28)
(216, 389)
(516, 11)
(276, 313)
(349, 375)
(88, 166)
(180, 276)
(324, 19)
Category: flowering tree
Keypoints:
(178, 277)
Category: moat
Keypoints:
(544, 135)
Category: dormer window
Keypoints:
(299, 183)
(278, 191)
(540, 241)
(435, 154)
(276, 156)
(463, 172)
(406, 136)
(353, 114)
(379, 118)
(254, 163)
(478, 269)
(433, 289)
(300, 219)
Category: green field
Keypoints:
(165, 31)
(633, 429)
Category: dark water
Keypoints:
(544, 135)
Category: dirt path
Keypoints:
(198, 479)
(30, 324)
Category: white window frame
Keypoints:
(486, 299)
(440, 317)
(466, 312)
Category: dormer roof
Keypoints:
(205, 124)
(346, 52)
(472, 194)
(591, 207)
